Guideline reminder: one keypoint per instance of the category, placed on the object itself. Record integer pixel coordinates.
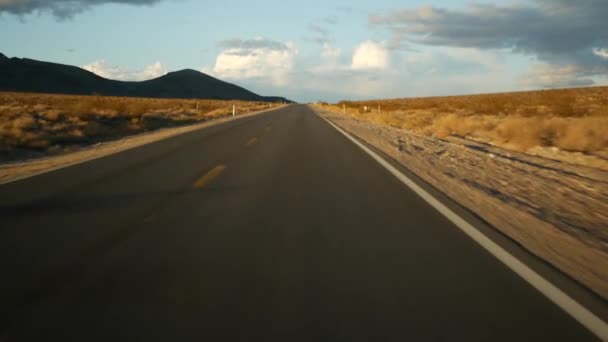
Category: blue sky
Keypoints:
(323, 50)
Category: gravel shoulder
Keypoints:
(556, 210)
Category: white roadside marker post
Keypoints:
(233, 110)
(343, 109)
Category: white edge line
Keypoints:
(204, 125)
(557, 296)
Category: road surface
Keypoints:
(269, 228)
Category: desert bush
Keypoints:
(570, 119)
(46, 121)
(24, 122)
(585, 134)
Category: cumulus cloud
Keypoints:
(105, 70)
(257, 58)
(370, 55)
(61, 8)
(564, 34)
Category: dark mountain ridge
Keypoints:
(28, 75)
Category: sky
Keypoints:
(323, 50)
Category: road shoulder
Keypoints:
(580, 293)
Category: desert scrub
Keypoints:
(33, 124)
(570, 119)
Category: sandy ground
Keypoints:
(22, 169)
(556, 210)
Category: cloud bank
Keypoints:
(257, 58)
(569, 38)
(62, 8)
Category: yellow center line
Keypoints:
(252, 141)
(209, 176)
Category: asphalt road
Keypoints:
(269, 228)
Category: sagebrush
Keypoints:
(34, 124)
(569, 119)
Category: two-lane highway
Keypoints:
(269, 228)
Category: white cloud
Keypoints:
(257, 58)
(370, 55)
(372, 71)
(601, 52)
(103, 69)
(153, 71)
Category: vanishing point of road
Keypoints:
(273, 227)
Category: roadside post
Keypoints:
(233, 110)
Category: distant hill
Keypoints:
(28, 75)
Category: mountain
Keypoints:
(28, 75)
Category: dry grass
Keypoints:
(569, 119)
(38, 124)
